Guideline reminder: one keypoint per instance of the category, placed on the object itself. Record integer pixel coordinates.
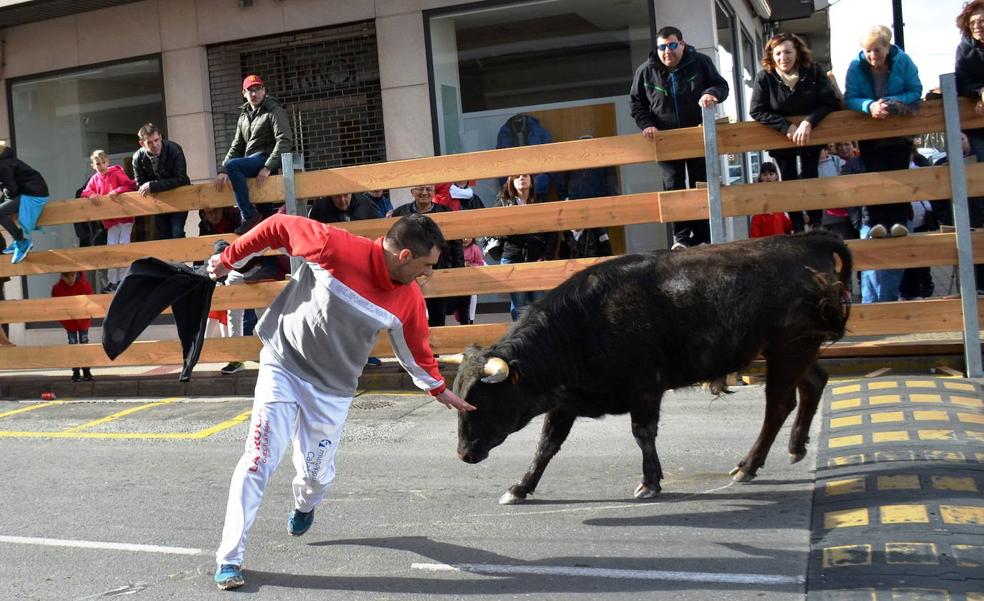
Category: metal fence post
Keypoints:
(290, 196)
(961, 219)
(713, 161)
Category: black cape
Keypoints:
(150, 286)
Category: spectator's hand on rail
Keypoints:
(144, 189)
(979, 107)
(707, 101)
(262, 176)
(220, 181)
(801, 136)
(878, 109)
(95, 200)
(650, 133)
(216, 268)
(114, 195)
(453, 401)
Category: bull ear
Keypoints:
(496, 370)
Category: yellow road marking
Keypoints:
(920, 594)
(845, 518)
(911, 553)
(935, 434)
(959, 386)
(882, 385)
(904, 514)
(962, 514)
(937, 455)
(969, 556)
(840, 422)
(847, 389)
(925, 398)
(953, 483)
(847, 555)
(920, 384)
(926, 416)
(845, 487)
(845, 404)
(119, 414)
(967, 401)
(887, 416)
(30, 408)
(900, 482)
(883, 399)
(970, 418)
(845, 441)
(848, 460)
(229, 423)
(890, 436)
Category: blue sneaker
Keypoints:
(10, 249)
(229, 576)
(299, 522)
(21, 248)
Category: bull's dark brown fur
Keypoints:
(614, 337)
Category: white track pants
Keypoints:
(286, 410)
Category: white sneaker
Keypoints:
(878, 231)
(899, 230)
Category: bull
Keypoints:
(613, 338)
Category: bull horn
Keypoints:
(452, 359)
(496, 370)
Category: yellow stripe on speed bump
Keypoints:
(882, 385)
(953, 483)
(920, 384)
(847, 389)
(968, 556)
(911, 553)
(842, 422)
(30, 408)
(884, 399)
(847, 555)
(935, 434)
(962, 514)
(904, 514)
(119, 414)
(929, 416)
(899, 482)
(845, 404)
(890, 436)
(920, 594)
(964, 401)
(844, 487)
(845, 518)
(845, 441)
(970, 418)
(959, 386)
(885, 417)
(925, 398)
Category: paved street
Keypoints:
(117, 498)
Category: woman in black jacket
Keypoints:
(970, 65)
(791, 84)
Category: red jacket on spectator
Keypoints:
(770, 224)
(81, 287)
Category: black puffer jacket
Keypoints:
(17, 177)
(970, 72)
(527, 248)
(773, 101)
(667, 99)
(172, 168)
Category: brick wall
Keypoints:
(328, 81)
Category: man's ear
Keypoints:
(404, 255)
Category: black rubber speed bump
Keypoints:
(898, 508)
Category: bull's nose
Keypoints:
(471, 456)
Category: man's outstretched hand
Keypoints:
(217, 269)
(453, 401)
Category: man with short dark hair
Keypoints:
(159, 165)
(262, 134)
(342, 207)
(668, 92)
(316, 338)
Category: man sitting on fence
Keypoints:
(262, 134)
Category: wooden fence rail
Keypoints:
(935, 315)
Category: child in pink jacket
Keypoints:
(110, 180)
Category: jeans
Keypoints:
(238, 171)
(881, 285)
(519, 300)
(675, 177)
(171, 225)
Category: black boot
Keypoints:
(86, 374)
(75, 375)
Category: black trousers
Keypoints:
(675, 177)
(887, 155)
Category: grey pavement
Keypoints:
(405, 518)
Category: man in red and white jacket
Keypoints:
(316, 338)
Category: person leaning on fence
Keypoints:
(769, 224)
(883, 81)
(523, 248)
(381, 203)
(969, 67)
(423, 204)
(74, 283)
(668, 92)
(262, 134)
(110, 180)
(316, 337)
(791, 84)
(23, 192)
(159, 165)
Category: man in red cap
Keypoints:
(262, 134)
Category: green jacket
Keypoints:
(265, 132)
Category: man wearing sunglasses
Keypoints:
(668, 92)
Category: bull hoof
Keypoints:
(646, 492)
(511, 499)
(796, 457)
(740, 475)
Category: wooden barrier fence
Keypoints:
(934, 315)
